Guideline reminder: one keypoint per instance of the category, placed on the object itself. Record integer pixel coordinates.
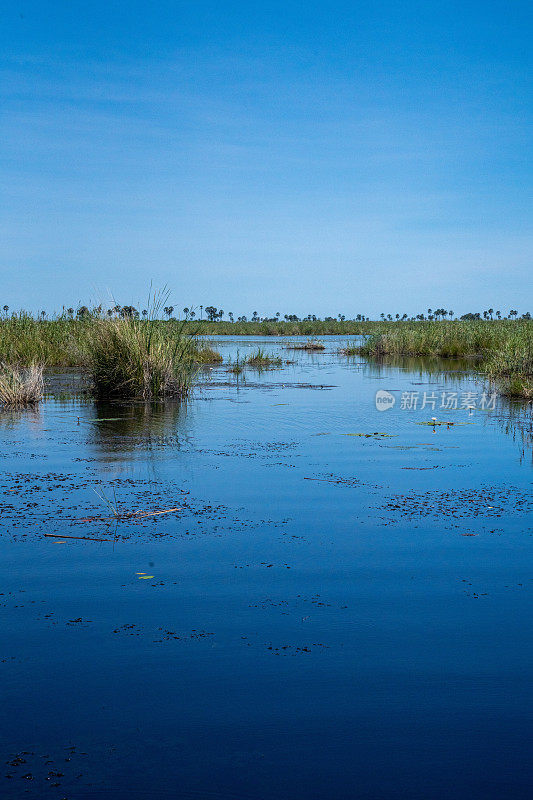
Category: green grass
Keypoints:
(63, 342)
(503, 348)
(282, 328)
(258, 360)
(261, 360)
(128, 358)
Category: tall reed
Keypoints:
(131, 359)
(503, 348)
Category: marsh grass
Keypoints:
(21, 386)
(311, 345)
(350, 350)
(258, 360)
(261, 360)
(503, 349)
(203, 353)
(130, 359)
(512, 366)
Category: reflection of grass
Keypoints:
(21, 387)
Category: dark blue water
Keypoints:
(341, 608)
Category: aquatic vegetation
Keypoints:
(205, 354)
(375, 435)
(444, 339)
(20, 387)
(258, 360)
(512, 365)
(503, 348)
(311, 345)
(261, 360)
(64, 340)
(350, 350)
(131, 359)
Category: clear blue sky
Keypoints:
(296, 157)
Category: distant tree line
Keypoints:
(214, 314)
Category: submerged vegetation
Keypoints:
(19, 386)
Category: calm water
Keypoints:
(330, 614)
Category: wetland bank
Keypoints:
(337, 603)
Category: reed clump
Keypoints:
(310, 344)
(261, 360)
(205, 354)
(128, 358)
(21, 386)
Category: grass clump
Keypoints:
(205, 354)
(310, 344)
(350, 350)
(260, 360)
(130, 359)
(444, 339)
(21, 387)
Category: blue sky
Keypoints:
(304, 158)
